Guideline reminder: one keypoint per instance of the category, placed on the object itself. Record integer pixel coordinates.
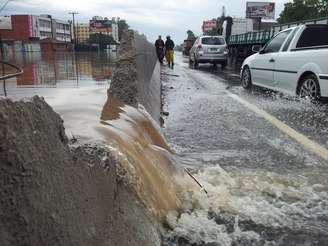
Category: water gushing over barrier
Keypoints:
(144, 155)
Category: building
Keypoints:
(25, 32)
(28, 27)
(105, 26)
(82, 31)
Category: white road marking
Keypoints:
(300, 138)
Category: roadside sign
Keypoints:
(264, 10)
(209, 25)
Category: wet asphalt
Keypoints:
(206, 127)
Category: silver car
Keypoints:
(209, 49)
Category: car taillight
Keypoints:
(199, 46)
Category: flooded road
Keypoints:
(74, 84)
(264, 187)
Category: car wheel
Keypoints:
(246, 78)
(223, 65)
(309, 87)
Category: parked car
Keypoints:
(209, 49)
(294, 61)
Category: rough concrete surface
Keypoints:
(136, 77)
(55, 194)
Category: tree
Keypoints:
(303, 9)
(191, 35)
(211, 32)
(122, 25)
(102, 39)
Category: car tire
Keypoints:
(223, 65)
(246, 78)
(309, 87)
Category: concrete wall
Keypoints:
(136, 77)
(148, 72)
(56, 193)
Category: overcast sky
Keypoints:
(150, 17)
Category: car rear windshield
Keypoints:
(313, 36)
(213, 41)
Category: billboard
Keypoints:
(209, 25)
(264, 10)
(100, 26)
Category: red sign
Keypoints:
(209, 25)
(104, 26)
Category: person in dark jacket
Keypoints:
(159, 44)
(169, 51)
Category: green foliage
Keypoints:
(212, 32)
(102, 39)
(191, 35)
(122, 25)
(298, 10)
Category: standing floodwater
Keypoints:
(74, 84)
(57, 70)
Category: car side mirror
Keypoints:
(256, 48)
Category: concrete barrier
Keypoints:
(53, 193)
(136, 77)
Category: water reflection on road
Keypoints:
(74, 84)
(57, 70)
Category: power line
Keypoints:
(4, 5)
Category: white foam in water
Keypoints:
(266, 199)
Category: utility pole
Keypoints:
(74, 33)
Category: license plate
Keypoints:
(213, 49)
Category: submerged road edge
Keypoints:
(309, 144)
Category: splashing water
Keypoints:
(243, 207)
(250, 208)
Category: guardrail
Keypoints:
(12, 75)
(251, 38)
(18, 72)
(262, 37)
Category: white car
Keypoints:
(295, 61)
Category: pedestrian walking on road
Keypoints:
(169, 52)
(159, 44)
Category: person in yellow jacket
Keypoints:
(169, 51)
